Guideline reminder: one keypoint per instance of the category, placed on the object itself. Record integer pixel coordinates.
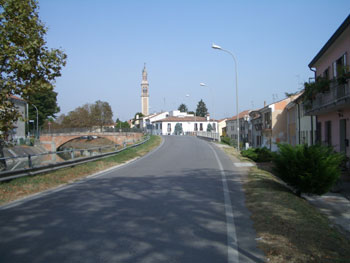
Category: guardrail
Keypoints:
(215, 136)
(32, 169)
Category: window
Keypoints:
(201, 126)
(156, 126)
(161, 126)
(169, 127)
(196, 127)
(326, 73)
(318, 132)
(214, 127)
(328, 133)
(339, 66)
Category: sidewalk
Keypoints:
(336, 205)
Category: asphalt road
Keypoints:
(181, 203)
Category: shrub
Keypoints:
(258, 154)
(225, 139)
(308, 169)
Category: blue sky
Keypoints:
(108, 42)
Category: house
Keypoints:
(328, 97)
(269, 124)
(19, 131)
(256, 128)
(301, 128)
(173, 125)
(244, 127)
(222, 127)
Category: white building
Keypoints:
(188, 124)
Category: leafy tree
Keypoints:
(122, 124)
(27, 65)
(183, 108)
(101, 113)
(178, 129)
(46, 102)
(209, 128)
(201, 110)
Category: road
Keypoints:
(183, 202)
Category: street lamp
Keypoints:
(37, 121)
(234, 59)
(211, 93)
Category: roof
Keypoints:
(334, 37)
(184, 119)
(16, 98)
(240, 115)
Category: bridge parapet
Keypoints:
(53, 141)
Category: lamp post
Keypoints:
(37, 121)
(211, 93)
(234, 59)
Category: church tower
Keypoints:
(144, 93)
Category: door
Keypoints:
(343, 140)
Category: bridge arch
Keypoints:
(51, 142)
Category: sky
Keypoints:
(108, 42)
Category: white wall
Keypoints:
(186, 127)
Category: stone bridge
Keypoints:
(51, 142)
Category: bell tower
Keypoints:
(144, 93)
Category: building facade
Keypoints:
(332, 104)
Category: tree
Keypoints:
(121, 124)
(209, 128)
(27, 65)
(46, 102)
(101, 113)
(183, 108)
(201, 110)
(178, 129)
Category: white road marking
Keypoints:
(232, 247)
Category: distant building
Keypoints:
(188, 123)
(301, 129)
(19, 130)
(244, 128)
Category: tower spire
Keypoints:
(144, 92)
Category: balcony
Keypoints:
(336, 98)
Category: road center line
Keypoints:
(232, 247)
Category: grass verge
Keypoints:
(21, 187)
(289, 229)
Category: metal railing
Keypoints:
(25, 165)
(215, 136)
(91, 130)
(336, 93)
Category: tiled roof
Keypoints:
(16, 98)
(240, 115)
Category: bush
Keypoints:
(258, 154)
(225, 139)
(308, 169)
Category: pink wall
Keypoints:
(338, 48)
(334, 118)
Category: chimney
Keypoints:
(208, 117)
(264, 103)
